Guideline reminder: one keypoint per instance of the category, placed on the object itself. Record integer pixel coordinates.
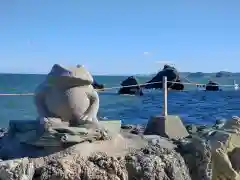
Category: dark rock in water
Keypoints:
(172, 75)
(133, 90)
(177, 86)
(212, 86)
(97, 86)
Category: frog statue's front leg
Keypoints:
(39, 100)
(90, 115)
(91, 112)
(45, 117)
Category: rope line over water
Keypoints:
(118, 87)
(18, 94)
(189, 83)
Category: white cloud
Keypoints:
(146, 53)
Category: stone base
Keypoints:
(28, 125)
(27, 137)
(169, 126)
(119, 145)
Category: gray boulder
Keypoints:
(197, 155)
(123, 157)
(18, 169)
(152, 162)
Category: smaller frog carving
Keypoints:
(68, 94)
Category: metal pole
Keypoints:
(165, 93)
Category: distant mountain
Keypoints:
(213, 74)
(196, 74)
(223, 74)
(202, 74)
(226, 74)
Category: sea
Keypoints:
(198, 107)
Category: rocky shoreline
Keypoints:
(196, 157)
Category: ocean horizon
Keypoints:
(187, 73)
(198, 107)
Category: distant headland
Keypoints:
(220, 74)
(213, 74)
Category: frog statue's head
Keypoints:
(69, 76)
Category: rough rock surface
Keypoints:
(225, 144)
(209, 153)
(213, 152)
(18, 169)
(197, 155)
(153, 161)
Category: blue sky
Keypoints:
(119, 37)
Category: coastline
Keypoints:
(154, 157)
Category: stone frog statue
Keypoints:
(68, 94)
(67, 105)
